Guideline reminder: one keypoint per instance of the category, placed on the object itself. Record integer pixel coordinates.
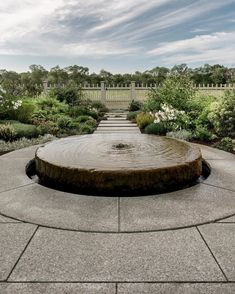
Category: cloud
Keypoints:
(216, 47)
(108, 28)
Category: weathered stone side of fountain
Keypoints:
(108, 180)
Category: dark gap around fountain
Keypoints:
(122, 191)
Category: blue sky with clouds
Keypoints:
(117, 35)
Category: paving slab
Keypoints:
(57, 255)
(222, 173)
(13, 239)
(12, 173)
(228, 219)
(48, 207)
(196, 205)
(57, 288)
(4, 219)
(27, 153)
(177, 288)
(221, 240)
(214, 153)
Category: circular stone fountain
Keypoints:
(118, 164)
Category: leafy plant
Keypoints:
(176, 90)
(25, 130)
(203, 134)
(86, 129)
(143, 119)
(156, 129)
(226, 144)
(132, 115)
(7, 132)
(222, 115)
(135, 105)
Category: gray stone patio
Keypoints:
(55, 242)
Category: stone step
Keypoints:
(117, 128)
(118, 125)
(120, 131)
(116, 118)
(115, 122)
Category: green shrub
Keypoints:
(135, 105)
(176, 90)
(25, 112)
(99, 106)
(222, 115)
(181, 134)
(156, 129)
(64, 122)
(81, 110)
(84, 118)
(226, 144)
(132, 115)
(50, 105)
(7, 132)
(86, 129)
(71, 94)
(143, 119)
(25, 130)
(48, 127)
(203, 134)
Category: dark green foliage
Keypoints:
(86, 129)
(156, 129)
(64, 122)
(132, 115)
(99, 106)
(71, 94)
(222, 115)
(81, 110)
(135, 105)
(203, 134)
(25, 111)
(84, 118)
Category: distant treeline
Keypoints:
(26, 82)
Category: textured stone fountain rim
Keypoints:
(89, 165)
(194, 155)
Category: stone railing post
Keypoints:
(45, 87)
(133, 93)
(103, 93)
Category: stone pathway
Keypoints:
(117, 123)
(174, 243)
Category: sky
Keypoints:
(116, 35)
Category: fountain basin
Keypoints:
(118, 164)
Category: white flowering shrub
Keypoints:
(8, 103)
(166, 114)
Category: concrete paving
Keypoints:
(174, 243)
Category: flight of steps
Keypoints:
(116, 122)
